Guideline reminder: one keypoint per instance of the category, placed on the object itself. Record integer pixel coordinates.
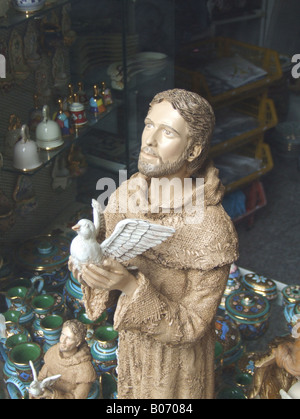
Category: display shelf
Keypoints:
(255, 14)
(254, 116)
(15, 17)
(255, 200)
(47, 156)
(258, 152)
(224, 70)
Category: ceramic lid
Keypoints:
(44, 253)
(247, 307)
(261, 285)
(291, 294)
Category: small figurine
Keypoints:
(96, 103)
(72, 360)
(106, 94)
(130, 238)
(82, 96)
(63, 119)
(78, 115)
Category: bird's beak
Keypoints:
(76, 227)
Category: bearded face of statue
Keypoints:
(165, 141)
(68, 341)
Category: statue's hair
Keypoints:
(78, 328)
(198, 114)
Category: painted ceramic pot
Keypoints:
(229, 337)
(108, 386)
(233, 285)
(291, 294)
(78, 114)
(42, 305)
(33, 285)
(250, 311)
(91, 325)
(28, 6)
(230, 392)
(218, 355)
(73, 296)
(17, 300)
(12, 329)
(243, 380)
(51, 327)
(260, 285)
(19, 296)
(104, 349)
(94, 391)
(48, 256)
(19, 357)
(9, 369)
(292, 315)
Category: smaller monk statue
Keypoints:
(71, 359)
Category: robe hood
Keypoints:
(203, 239)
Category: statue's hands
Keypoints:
(47, 394)
(111, 275)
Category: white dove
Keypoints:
(37, 387)
(131, 237)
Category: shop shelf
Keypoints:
(257, 114)
(258, 152)
(47, 156)
(246, 68)
(255, 200)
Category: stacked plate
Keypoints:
(149, 62)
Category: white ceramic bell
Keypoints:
(28, 6)
(48, 132)
(26, 156)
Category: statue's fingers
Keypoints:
(113, 265)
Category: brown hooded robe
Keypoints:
(166, 329)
